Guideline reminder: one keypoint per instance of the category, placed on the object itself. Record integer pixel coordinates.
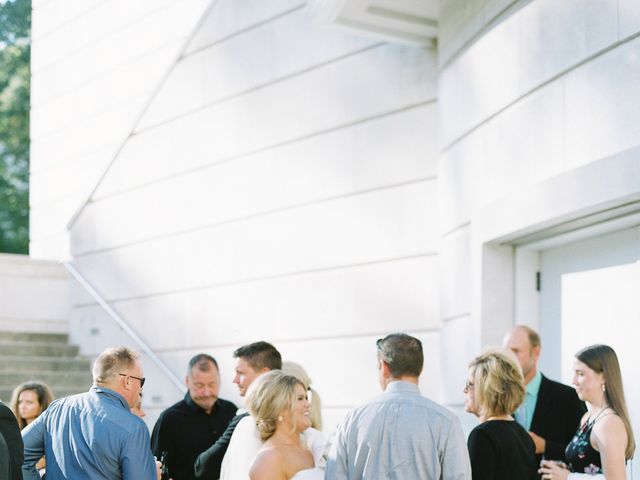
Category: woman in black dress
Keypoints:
(499, 448)
(604, 440)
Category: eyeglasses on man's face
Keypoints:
(142, 380)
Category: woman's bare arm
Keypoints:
(609, 437)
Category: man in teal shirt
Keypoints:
(551, 411)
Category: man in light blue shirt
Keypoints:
(94, 435)
(400, 434)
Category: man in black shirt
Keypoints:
(251, 361)
(189, 427)
(13, 448)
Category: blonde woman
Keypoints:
(604, 441)
(499, 448)
(281, 411)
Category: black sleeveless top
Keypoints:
(580, 455)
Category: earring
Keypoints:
(280, 418)
(603, 388)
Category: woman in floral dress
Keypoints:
(604, 441)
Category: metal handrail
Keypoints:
(124, 326)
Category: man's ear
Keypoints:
(384, 369)
(535, 351)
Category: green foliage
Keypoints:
(15, 22)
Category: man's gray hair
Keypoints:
(402, 353)
(112, 362)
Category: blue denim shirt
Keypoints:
(93, 436)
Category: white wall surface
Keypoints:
(528, 91)
(280, 186)
(301, 184)
(92, 72)
(34, 295)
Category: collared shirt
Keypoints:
(93, 436)
(525, 417)
(400, 435)
(185, 430)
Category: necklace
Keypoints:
(590, 422)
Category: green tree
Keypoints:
(15, 54)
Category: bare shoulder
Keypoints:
(609, 430)
(268, 465)
(610, 422)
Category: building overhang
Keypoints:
(405, 21)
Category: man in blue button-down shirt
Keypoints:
(93, 435)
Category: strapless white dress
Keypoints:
(309, 474)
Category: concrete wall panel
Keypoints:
(628, 18)
(374, 82)
(280, 48)
(530, 47)
(521, 150)
(457, 331)
(230, 17)
(460, 180)
(601, 105)
(34, 295)
(378, 225)
(345, 161)
(105, 19)
(455, 275)
(350, 301)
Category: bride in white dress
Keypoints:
(279, 405)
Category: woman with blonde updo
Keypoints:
(499, 448)
(279, 405)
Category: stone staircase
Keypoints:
(47, 357)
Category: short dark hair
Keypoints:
(202, 362)
(403, 354)
(260, 355)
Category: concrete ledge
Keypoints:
(25, 266)
(602, 186)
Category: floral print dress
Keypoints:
(580, 455)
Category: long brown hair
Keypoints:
(43, 393)
(603, 359)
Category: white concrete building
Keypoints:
(322, 173)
